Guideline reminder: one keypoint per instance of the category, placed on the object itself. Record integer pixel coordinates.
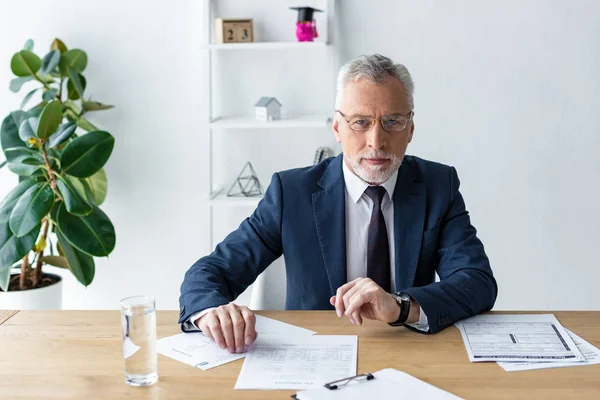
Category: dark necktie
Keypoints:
(378, 250)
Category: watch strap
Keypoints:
(404, 308)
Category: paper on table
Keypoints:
(387, 381)
(201, 352)
(506, 337)
(591, 354)
(299, 362)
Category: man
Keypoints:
(364, 232)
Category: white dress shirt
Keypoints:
(358, 216)
(359, 207)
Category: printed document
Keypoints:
(300, 362)
(506, 337)
(201, 352)
(590, 352)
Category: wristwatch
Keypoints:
(403, 301)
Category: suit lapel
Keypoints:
(409, 219)
(329, 206)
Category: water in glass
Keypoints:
(138, 320)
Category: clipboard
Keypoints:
(344, 381)
(382, 383)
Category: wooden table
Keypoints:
(78, 355)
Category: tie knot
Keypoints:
(376, 193)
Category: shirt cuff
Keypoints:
(190, 323)
(423, 324)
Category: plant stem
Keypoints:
(41, 81)
(37, 277)
(50, 171)
(24, 266)
(60, 89)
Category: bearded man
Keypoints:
(363, 233)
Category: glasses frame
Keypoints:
(407, 119)
(362, 377)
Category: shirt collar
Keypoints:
(356, 186)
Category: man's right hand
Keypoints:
(231, 326)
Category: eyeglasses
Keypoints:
(390, 123)
(341, 382)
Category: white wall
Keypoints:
(506, 91)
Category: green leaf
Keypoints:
(50, 95)
(12, 248)
(28, 45)
(11, 199)
(50, 118)
(37, 110)
(5, 277)
(95, 106)
(85, 155)
(28, 97)
(57, 44)
(75, 58)
(25, 63)
(22, 169)
(28, 129)
(3, 164)
(96, 187)
(75, 85)
(63, 132)
(81, 264)
(50, 62)
(93, 234)
(56, 261)
(31, 207)
(9, 135)
(85, 124)
(74, 202)
(17, 83)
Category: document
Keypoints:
(300, 362)
(591, 354)
(505, 337)
(201, 352)
(388, 383)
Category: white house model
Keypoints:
(267, 109)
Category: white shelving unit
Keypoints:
(217, 196)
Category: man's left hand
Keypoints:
(363, 298)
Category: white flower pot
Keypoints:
(45, 298)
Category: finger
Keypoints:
(214, 326)
(355, 289)
(357, 317)
(227, 329)
(250, 331)
(339, 302)
(239, 325)
(357, 301)
(206, 332)
(332, 300)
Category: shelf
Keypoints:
(249, 122)
(267, 45)
(220, 197)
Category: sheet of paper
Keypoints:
(300, 362)
(591, 354)
(201, 352)
(506, 337)
(387, 381)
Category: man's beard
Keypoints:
(374, 173)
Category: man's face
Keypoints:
(376, 154)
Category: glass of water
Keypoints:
(138, 323)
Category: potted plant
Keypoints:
(52, 216)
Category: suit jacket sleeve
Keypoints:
(237, 261)
(467, 286)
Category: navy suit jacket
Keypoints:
(302, 216)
